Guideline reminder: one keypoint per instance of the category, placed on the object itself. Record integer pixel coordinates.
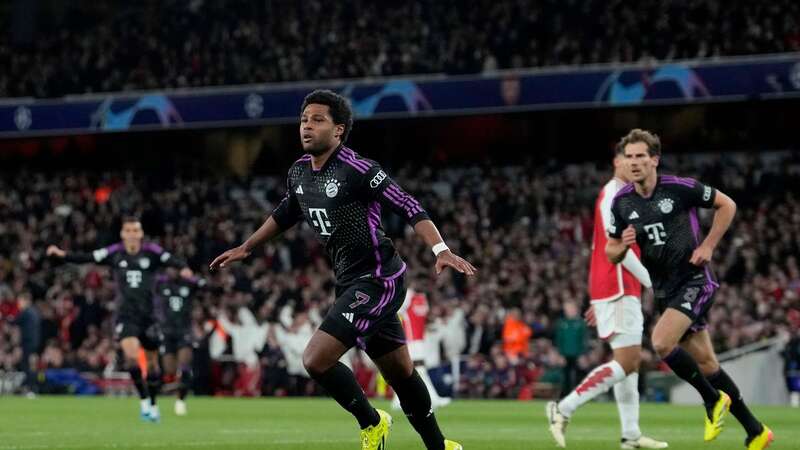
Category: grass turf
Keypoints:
(108, 423)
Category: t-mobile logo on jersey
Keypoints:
(134, 278)
(319, 217)
(656, 233)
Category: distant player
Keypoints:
(615, 291)
(659, 213)
(134, 264)
(414, 317)
(173, 309)
(341, 196)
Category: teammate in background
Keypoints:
(615, 291)
(134, 264)
(173, 309)
(414, 317)
(659, 213)
(340, 196)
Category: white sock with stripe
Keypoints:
(598, 381)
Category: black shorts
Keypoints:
(365, 314)
(694, 299)
(174, 340)
(146, 330)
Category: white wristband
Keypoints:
(439, 248)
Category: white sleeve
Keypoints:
(406, 302)
(632, 264)
(605, 204)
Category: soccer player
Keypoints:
(134, 264)
(414, 317)
(173, 309)
(341, 196)
(659, 213)
(615, 291)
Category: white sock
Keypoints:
(794, 399)
(423, 373)
(627, 394)
(598, 381)
(144, 404)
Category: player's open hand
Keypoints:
(589, 317)
(450, 259)
(235, 254)
(629, 236)
(53, 250)
(701, 255)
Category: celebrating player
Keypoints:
(341, 197)
(173, 309)
(615, 291)
(134, 264)
(659, 213)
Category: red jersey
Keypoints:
(414, 315)
(608, 281)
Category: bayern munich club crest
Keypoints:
(332, 188)
(666, 205)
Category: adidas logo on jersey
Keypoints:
(634, 215)
(348, 316)
(299, 189)
(686, 305)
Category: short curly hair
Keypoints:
(339, 105)
(639, 135)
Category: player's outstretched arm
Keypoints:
(724, 210)
(444, 257)
(616, 248)
(268, 230)
(53, 251)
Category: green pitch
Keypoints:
(103, 423)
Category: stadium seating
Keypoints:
(527, 229)
(136, 45)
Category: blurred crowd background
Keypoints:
(526, 227)
(121, 46)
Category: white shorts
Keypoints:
(416, 349)
(620, 321)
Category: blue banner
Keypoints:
(601, 86)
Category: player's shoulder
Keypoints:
(152, 247)
(350, 160)
(297, 167)
(676, 182)
(624, 192)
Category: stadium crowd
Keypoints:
(115, 46)
(527, 229)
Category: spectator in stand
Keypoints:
(570, 338)
(532, 246)
(516, 335)
(29, 323)
(208, 43)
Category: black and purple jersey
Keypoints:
(172, 302)
(134, 274)
(667, 229)
(343, 202)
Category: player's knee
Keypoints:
(663, 346)
(630, 363)
(314, 364)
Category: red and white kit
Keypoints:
(615, 289)
(414, 315)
